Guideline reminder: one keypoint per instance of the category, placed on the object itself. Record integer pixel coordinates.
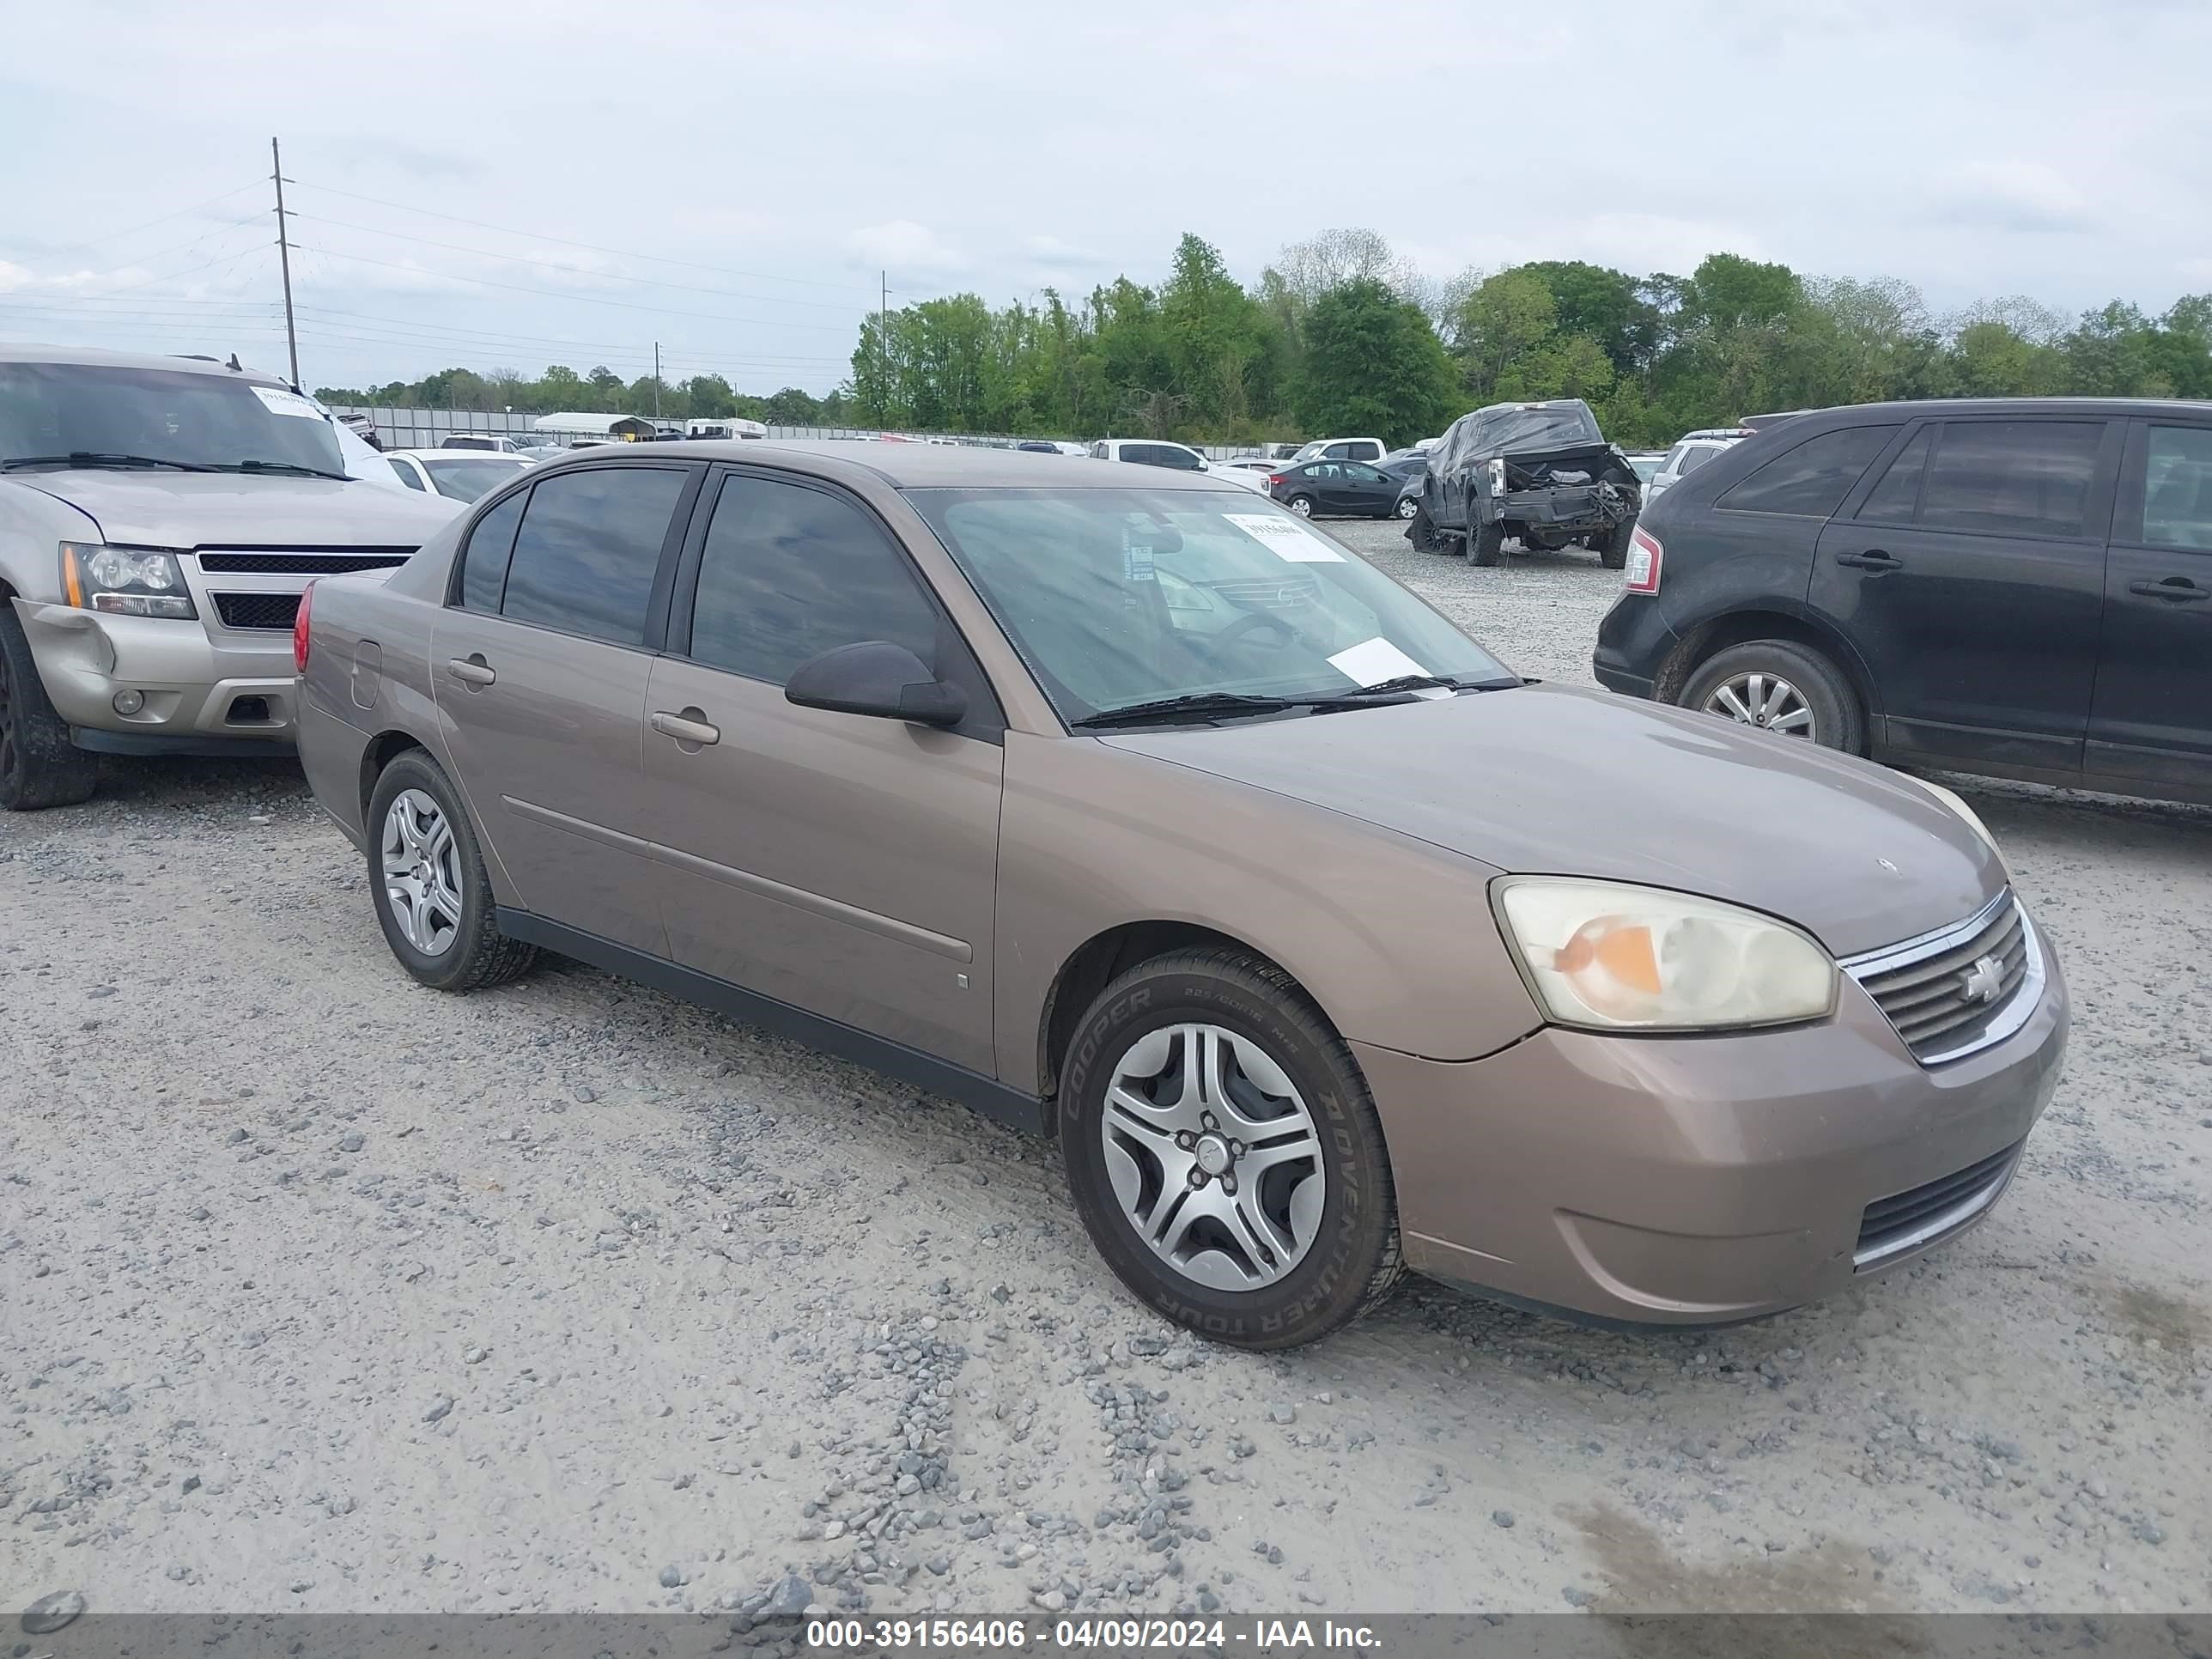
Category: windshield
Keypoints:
(137, 416)
(1505, 430)
(465, 478)
(1120, 596)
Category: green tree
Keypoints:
(1373, 366)
(1503, 320)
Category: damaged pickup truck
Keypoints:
(1539, 473)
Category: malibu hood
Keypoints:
(188, 510)
(1552, 781)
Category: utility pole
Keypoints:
(882, 337)
(284, 259)
(656, 379)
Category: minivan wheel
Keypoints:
(1225, 1153)
(427, 879)
(1301, 505)
(1486, 544)
(40, 767)
(1782, 687)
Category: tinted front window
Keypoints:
(178, 417)
(788, 572)
(584, 558)
(2178, 495)
(1893, 499)
(1811, 480)
(2024, 477)
(1121, 596)
(483, 560)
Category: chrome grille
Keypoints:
(1961, 988)
(1906, 1221)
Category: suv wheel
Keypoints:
(1486, 543)
(1612, 548)
(1780, 686)
(39, 765)
(427, 879)
(1225, 1153)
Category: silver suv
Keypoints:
(159, 518)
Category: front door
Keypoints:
(540, 668)
(2151, 721)
(842, 864)
(1969, 574)
(1365, 490)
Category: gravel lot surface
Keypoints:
(321, 1291)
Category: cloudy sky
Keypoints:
(510, 184)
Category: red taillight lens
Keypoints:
(1645, 555)
(299, 631)
(1274, 478)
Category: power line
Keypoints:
(566, 241)
(141, 259)
(118, 236)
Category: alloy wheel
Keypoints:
(1302, 507)
(422, 872)
(1214, 1157)
(1409, 505)
(1766, 701)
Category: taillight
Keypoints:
(1644, 557)
(1274, 478)
(299, 630)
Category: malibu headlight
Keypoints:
(1606, 956)
(1494, 471)
(1974, 821)
(125, 581)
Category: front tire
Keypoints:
(1486, 543)
(428, 881)
(1780, 686)
(1421, 530)
(1225, 1153)
(1301, 505)
(40, 767)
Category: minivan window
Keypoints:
(2178, 497)
(1811, 480)
(2020, 477)
(483, 560)
(589, 546)
(789, 572)
(1893, 500)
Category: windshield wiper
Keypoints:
(1367, 695)
(1197, 706)
(94, 458)
(291, 468)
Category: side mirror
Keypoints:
(879, 678)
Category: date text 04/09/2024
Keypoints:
(1021, 1634)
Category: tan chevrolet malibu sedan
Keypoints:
(1130, 809)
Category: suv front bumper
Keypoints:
(197, 695)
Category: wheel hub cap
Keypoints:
(1213, 1155)
(421, 865)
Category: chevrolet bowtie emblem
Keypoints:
(1982, 982)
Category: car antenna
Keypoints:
(232, 365)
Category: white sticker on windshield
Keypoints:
(1287, 538)
(1137, 561)
(1373, 661)
(278, 401)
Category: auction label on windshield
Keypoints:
(1287, 538)
(1373, 661)
(278, 401)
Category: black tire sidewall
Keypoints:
(1292, 503)
(414, 770)
(1358, 1216)
(49, 770)
(1837, 722)
(1486, 543)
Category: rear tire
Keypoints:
(1301, 505)
(1265, 1245)
(40, 767)
(1486, 543)
(1612, 548)
(443, 928)
(1786, 688)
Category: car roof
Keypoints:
(95, 357)
(907, 466)
(456, 454)
(2195, 408)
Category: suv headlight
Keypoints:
(1609, 957)
(125, 581)
(1974, 821)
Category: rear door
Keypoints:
(842, 864)
(540, 662)
(2150, 721)
(1969, 574)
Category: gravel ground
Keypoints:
(321, 1291)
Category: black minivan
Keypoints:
(2019, 587)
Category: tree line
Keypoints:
(1339, 335)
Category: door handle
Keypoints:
(1873, 559)
(472, 670)
(689, 727)
(2173, 588)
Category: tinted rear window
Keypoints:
(589, 546)
(2023, 477)
(483, 560)
(1894, 499)
(1811, 480)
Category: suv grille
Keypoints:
(1907, 1220)
(272, 611)
(301, 564)
(1956, 991)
